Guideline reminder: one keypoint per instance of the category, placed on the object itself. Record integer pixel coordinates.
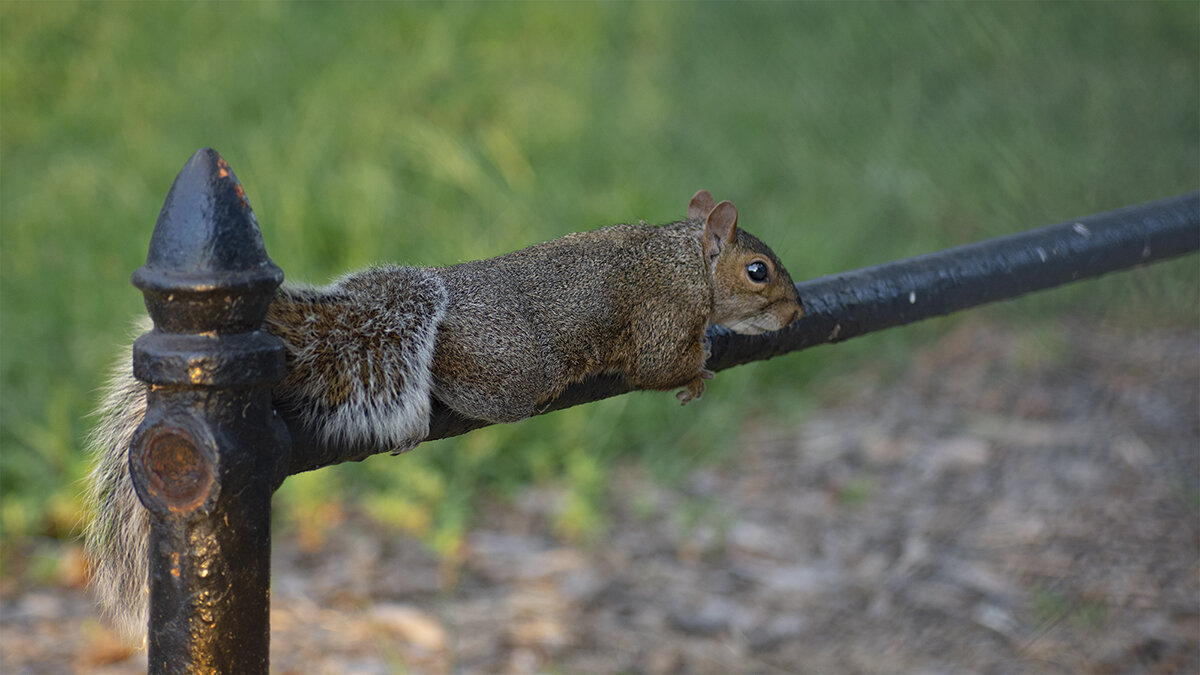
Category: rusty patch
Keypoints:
(178, 472)
(223, 167)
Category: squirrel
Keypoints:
(492, 339)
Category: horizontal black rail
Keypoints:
(842, 306)
(846, 305)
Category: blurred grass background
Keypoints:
(847, 134)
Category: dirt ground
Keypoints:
(1017, 501)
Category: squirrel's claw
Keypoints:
(694, 389)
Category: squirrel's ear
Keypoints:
(719, 228)
(701, 205)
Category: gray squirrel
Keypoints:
(492, 339)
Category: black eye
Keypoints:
(757, 271)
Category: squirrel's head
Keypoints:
(752, 292)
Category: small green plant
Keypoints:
(1052, 606)
(857, 492)
(1049, 605)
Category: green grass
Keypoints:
(847, 134)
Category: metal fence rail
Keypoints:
(211, 450)
(850, 304)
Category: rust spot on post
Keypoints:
(179, 473)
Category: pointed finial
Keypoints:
(207, 248)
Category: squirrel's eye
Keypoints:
(757, 271)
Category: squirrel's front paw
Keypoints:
(695, 388)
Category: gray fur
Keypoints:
(381, 322)
(120, 527)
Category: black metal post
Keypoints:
(210, 451)
(841, 306)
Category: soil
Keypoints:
(1017, 501)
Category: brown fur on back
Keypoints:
(522, 326)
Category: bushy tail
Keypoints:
(118, 533)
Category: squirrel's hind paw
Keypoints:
(694, 389)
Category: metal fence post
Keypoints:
(210, 451)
